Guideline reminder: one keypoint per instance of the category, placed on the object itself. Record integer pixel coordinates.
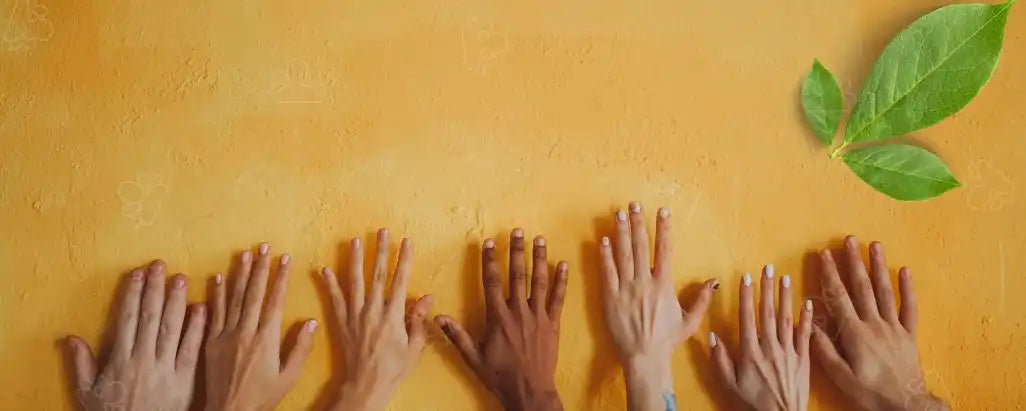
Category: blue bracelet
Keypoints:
(671, 401)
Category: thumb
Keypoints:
(83, 363)
(696, 311)
(296, 357)
(415, 325)
(459, 337)
(836, 367)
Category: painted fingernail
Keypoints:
(137, 275)
(311, 326)
(246, 256)
(489, 243)
(178, 283)
(785, 281)
(716, 285)
(712, 339)
(539, 241)
(635, 207)
(664, 212)
(808, 305)
(219, 279)
(747, 280)
(621, 216)
(770, 271)
(263, 248)
(518, 233)
(356, 243)
(605, 241)
(285, 258)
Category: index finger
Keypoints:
(836, 295)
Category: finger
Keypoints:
(240, 278)
(694, 314)
(128, 319)
(380, 270)
(882, 288)
(746, 317)
(639, 242)
(834, 365)
(908, 300)
(624, 252)
(276, 299)
(174, 315)
(663, 245)
(494, 302)
(539, 276)
(517, 268)
(83, 363)
(217, 308)
(785, 322)
(836, 295)
(397, 300)
(356, 277)
(254, 303)
(415, 326)
(558, 292)
(724, 366)
(767, 315)
(151, 309)
(804, 330)
(861, 290)
(188, 352)
(609, 267)
(296, 358)
(461, 340)
(338, 299)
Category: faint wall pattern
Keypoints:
(142, 198)
(987, 188)
(483, 45)
(28, 24)
(299, 83)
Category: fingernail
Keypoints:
(157, 266)
(635, 207)
(769, 271)
(851, 240)
(621, 216)
(246, 256)
(518, 233)
(562, 267)
(383, 232)
(539, 241)
(489, 243)
(716, 285)
(178, 283)
(712, 339)
(808, 305)
(200, 309)
(605, 241)
(326, 272)
(311, 326)
(747, 280)
(218, 279)
(785, 281)
(263, 248)
(663, 212)
(137, 275)
(356, 243)
(285, 258)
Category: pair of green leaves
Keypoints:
(929, 71)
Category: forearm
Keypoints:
(361, 397)
(525, 397)
(649, 385)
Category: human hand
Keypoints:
(772, 373)
(152, 365)
(642, 311)
(380, 342)
(517, 359)
(875, 363)
(243, 367)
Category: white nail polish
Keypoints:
(663, 212)
(747, 280)
(712, 339)
(770, 271)
(219, 278)
(785, 281)
(263, 248)
(311, 326)
(285, 258)
(621, 216)
(605, 241)
(635, 207)
(540, 241)
(808, 305)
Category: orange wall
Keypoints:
(188, 130)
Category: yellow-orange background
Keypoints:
(189, 130)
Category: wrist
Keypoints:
(651, 371)
(527, 396)
(360, 396)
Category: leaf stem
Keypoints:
(837, 151)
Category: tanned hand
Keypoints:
(874, 360)
(516, 359)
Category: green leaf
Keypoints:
(929, 71)
(822, 101)
(901, 171)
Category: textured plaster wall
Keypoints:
(188, 130)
